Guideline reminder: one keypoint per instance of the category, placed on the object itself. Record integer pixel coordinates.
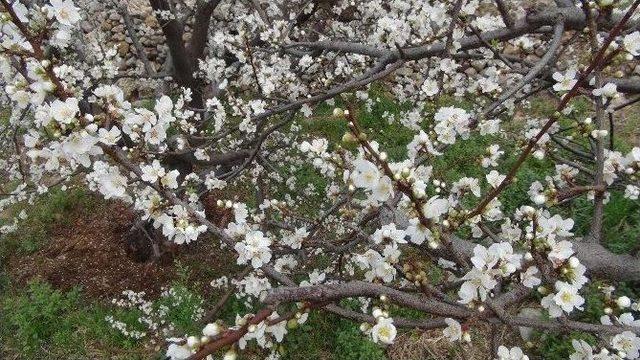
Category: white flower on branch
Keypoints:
(254, 249)
(389, 233)
(477, 285)
(583, 351)
(494, 178)
(64, 112)
(567, 297)
(515, 353)
(384, 331)
(178, 352)
(627, 343)
(417, 232)
(631, 43)
(529, 278)
(64, 11)
(453, 331)
(451, 121)
(435, 207)
(609, 90)
(564, 82)
(366, 174)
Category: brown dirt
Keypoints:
(89, 251)
(431, 345)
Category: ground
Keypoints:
(71, 258)
(90, 251)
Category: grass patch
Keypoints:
(327, 336)
(47, 213)
(40, 322)
(552, 346)
(621, 222)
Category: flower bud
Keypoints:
(540, 199)
(377, 313)
(466, 337)
(538, 154)
(348, 138)
(193, 342)
(608, 310)
(292, 324)
(623, 302)
(542, 290)
(212, 330)
(230, 355)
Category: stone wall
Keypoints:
(105, 17)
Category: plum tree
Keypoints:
(225, 118)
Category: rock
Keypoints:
(123, 49)
(86, 26)
(151, 21)
(139, 7)
(511, 50)
(118, 37)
